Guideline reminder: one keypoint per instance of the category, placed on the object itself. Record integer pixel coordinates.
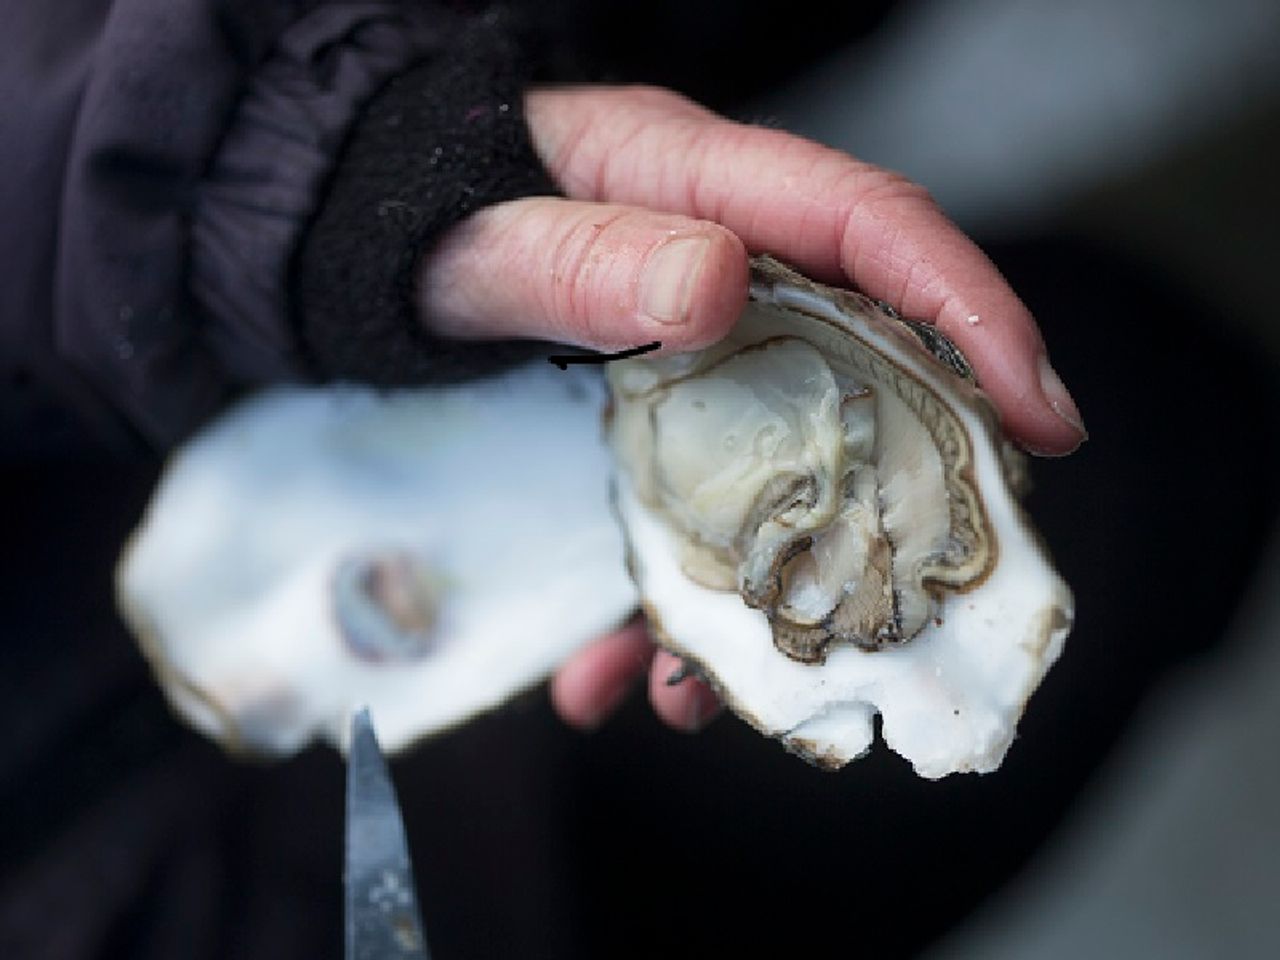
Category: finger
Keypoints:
(595, 680)
(832, 216)
(594, 275)
(689, 705)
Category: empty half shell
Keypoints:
(425, 553)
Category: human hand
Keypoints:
(664, 199)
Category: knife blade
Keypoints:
(381, 901)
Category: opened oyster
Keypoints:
(817, 512)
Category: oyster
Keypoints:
(818, 512)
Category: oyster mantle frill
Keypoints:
(817, 512)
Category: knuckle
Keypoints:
(660, 98)
(585, 159)
(703, 173)
(874, 187)
(880, 210)
(580, 254)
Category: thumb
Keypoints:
(595, 275)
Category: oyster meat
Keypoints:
(818, 512)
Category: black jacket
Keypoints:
(199, 195)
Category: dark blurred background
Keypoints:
(1116, 160)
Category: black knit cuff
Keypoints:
(437, 143)
(267, 179)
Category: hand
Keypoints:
(664, 200)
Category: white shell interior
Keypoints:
(497, 488)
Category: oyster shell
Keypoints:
(817, 512)
(820, 514)
(426, 553)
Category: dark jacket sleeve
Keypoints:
(184, 182)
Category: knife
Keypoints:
(381, 905)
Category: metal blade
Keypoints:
(382, 919)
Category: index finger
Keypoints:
(832, 216)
